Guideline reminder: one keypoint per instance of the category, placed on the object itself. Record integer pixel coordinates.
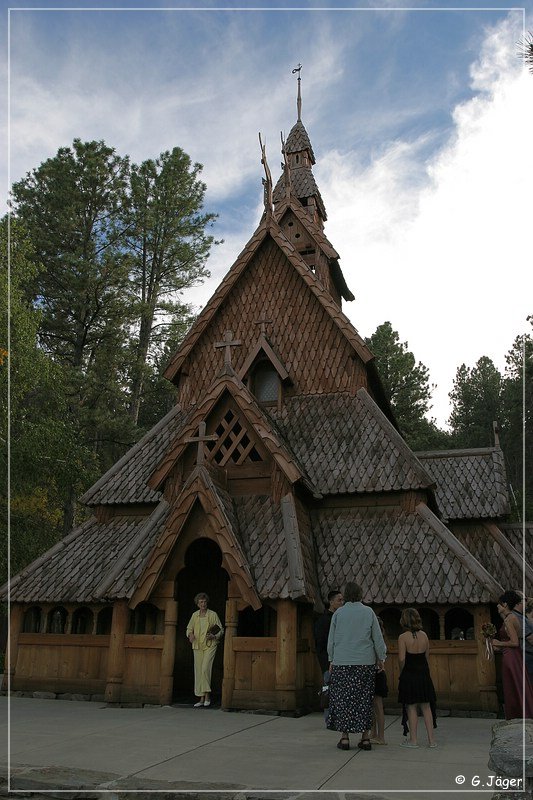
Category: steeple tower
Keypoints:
(300, 158)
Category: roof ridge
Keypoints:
(160, 510)
(506, 545)
(400, 442)
(211, 307)
(293, 544)
(117, 466)
(461, 452)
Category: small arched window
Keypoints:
(430, 622)
(57, 620)
(457, 623)
(82, 620)
(32, 620)
(265, 383)
(390, 618)
(146, 618)
(103, 621)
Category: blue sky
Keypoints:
(420, 120)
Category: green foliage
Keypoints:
(168, 248)
(482, 395)
(517, 422)
(45, 458)
(476, 402)
(101, 253)
(406, 385)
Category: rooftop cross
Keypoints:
(201, 438)
(298, 69)
(228, 343)
(263, 323)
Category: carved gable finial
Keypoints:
(285, 168)
(267, 182)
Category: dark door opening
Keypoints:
(202, 573)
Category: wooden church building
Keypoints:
(279, 474)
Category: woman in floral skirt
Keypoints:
(355, 648)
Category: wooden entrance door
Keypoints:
(202, 573)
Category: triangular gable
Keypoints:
(314, 231)
(201, 488)
(268, 227)
(255, 417)
(263, 345)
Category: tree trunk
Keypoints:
(69, 511)
(140, 364)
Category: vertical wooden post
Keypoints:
(228, 680)
(486, 669)
(287, 630)
(168, 655)
(116, 657)
(15, 628)
(442, 624)
(310, 659)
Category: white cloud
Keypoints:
(443, 257)
(437, 247)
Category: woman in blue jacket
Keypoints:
(355, 648)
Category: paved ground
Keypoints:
(61, 744)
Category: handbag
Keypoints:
(323, 697)
(214, 630)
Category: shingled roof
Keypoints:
(469, 483)
(346, 444)
(520, 535)
(303, 185)
(488, 544)
(73, 569)
(399, 557)
(127, 480)
(298, 140)
(268, 227)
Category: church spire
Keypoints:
(298, 69)
(299, 159)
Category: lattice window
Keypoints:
(234, 445)
(265, 383)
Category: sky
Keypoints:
(420, 118)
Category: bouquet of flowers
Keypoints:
(489, 632)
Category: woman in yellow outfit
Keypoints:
(204, 645)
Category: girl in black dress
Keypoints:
(415, 687)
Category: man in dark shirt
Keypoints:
(321, 630)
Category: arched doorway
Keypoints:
(203, 572)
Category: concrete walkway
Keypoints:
(61, 744)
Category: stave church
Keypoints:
(279, 473)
